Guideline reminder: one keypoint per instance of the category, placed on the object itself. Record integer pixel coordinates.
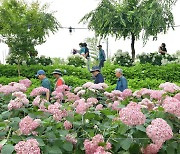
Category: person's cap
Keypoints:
(99, 46)
(40, 72)
(95, 68)
(57, 71)
(119, 70)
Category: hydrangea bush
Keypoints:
(122, 58)
(89, 120)
(77, 60)
(157, 59)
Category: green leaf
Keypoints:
(68, 146)
(54, 150)
(3, 142)
(7, 149)
(170, 150)
(141, 128)
(123, 128)
(125, 144)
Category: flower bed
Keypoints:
(89, 120)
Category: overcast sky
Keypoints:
(69, 12)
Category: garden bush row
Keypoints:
(140, 72)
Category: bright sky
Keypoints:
(69, 12)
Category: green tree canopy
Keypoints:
(128, 18)
(23, 26)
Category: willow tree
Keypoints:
(131, 19)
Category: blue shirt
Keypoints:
(122, 84)
(46, 84)
(82, 50)
(102, 55)
(99, 78)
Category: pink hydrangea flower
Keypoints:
(92, 100)
(159, 131)
(62, 89)
(157, 94)
(81, 92)
(132, 115)
(96, 87)
(26, 82)
(99, 107)
(71, 97)
(71, 139)
(67, 125)
(31, 146)
(172, 105)
(126, 93)
(27, 125)
(77, 89)
(1, 147)
(81, 107)
(147, 103)
(103, 85)
(177, 96)
(92, 147)
(36, 101)
(117, 93)
(19, 101)
(169, 87)
(151, 149)
(115, 106)
(39, 91)
(87, 85)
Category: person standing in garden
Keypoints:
(122, 82)
(102, 56)
(81, 51)
(59, 80)
(44, 82)
(162, 49)
(97, 75)
(87, 56)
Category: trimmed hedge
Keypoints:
(139, 75)
(30, 71)
(169, 73)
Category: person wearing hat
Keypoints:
(44, 82)
(102, 56)
(59, 80)
(122, 82)
(97, 74)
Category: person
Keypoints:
(162, 49)
(81, 51)
(102, 56)
(97, 75)
(59, 80)
(121, 82)
(44, 82)
(87, 56)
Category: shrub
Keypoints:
(122, 58)
(169, 72)
(77, 60)
(29, 72)
(155, 58)
(30, 61)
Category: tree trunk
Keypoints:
(132, 46)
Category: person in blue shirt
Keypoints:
(102, 56)
(97, 75)
(121, 82)
(44, 82)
